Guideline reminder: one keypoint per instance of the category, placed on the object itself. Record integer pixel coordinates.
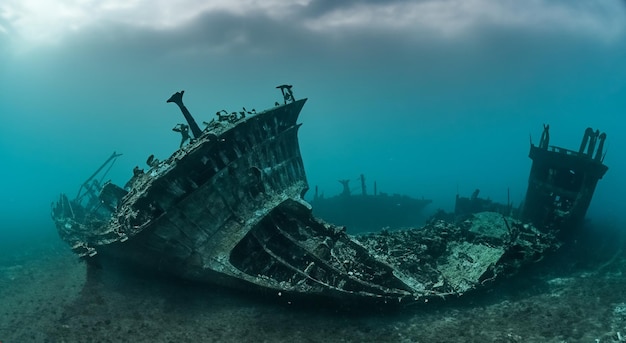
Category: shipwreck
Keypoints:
(367, 212)
(228, 209)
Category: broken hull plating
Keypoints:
(228, 209)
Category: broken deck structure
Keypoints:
(562, 182)
(228, 209)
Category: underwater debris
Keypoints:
(228, 209)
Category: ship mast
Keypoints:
(363, 187)
(89, 187)
(177, 98)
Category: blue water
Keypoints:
(428, 99)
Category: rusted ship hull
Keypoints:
(186, 214)
(228, 209)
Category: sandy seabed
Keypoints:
(44, 297)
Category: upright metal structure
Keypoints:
(562, 182)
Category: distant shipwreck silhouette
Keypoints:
(369, 212)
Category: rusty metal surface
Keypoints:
(228, 208)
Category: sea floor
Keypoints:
(578, 295)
